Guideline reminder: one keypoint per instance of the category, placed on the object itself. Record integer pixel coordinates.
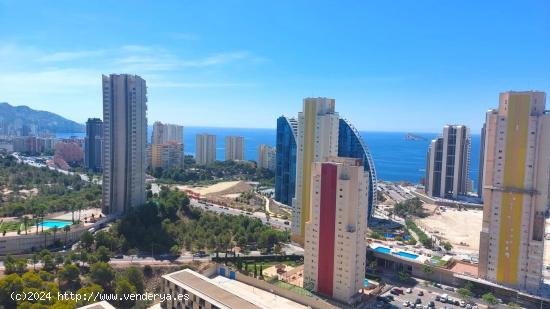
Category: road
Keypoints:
(275, 222)
(32, 162)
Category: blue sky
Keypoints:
(391, 65)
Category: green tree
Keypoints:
(134, 275)
(403, 276)
(88, 294)
(124, 287)
(102, 274)
(465, 293)
(69, 276)
(87, 240)
(103, 254)
(10, 284)
(489, 298)
(148, 271)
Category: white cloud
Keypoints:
(63, 81)
(71, 56)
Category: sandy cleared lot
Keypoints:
(457, 227)
(217, 188)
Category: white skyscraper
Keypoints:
(125, 140)
(317, 139)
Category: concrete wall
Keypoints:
(20, 244)
(304, 300)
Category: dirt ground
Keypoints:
(227, 187)
(460, 228)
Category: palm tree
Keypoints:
(71, 206)
(45, 236)
(79, 211)
(66, 229)
(26, 222)
(54, 231)
(34, 260)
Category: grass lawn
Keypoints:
(437, 261)
(12, 226)
(293, 288)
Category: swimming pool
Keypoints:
(407, 255)
(365, 282)
(383, 250)
(58, 224)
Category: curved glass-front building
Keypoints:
(285, 171)
(351, 145)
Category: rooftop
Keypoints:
(224, 292)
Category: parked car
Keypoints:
(420, 293)
(409, 291)
(396, 291)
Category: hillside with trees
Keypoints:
(26, 189)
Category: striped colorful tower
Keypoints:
(317, 139)
(515, 190)
(334, 257)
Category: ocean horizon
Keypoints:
(395, 158)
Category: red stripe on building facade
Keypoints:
(327, 218)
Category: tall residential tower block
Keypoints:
(285, 169)
(448, 163)
(234, 148)
(335, 248)
(124, 142)
(317, 139)
(205, 149)
(93, 145)
(515, 191)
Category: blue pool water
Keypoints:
(383, 250)
(58, 224)
(401, 254)
(366, 282)
(407, 255)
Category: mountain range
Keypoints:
(14, 117)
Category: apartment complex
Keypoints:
(515, 190)
(93, 144)
(266, 157)
(335, 249)
(33, 145)
(448, 163)
(234, 148)
(124, 142)
(317, 139)
(189, 289)
(164, 133)
(205, 149)
(166, 156)
(167, 149)
(285, 169)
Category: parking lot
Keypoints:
(419, 298)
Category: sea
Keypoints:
(395, 158)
